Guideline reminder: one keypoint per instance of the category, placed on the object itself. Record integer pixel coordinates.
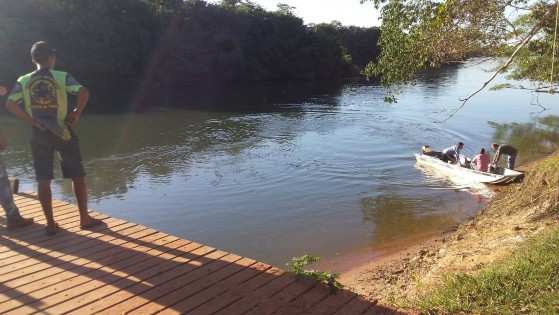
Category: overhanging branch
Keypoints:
(502, 68)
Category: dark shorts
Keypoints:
(43, 146)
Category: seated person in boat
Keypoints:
(481, 161)
(426, 150)
(505, 149)
(452, 154)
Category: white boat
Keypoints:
(461, 174)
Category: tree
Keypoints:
(143, 49)
(285, 9)
(421, 34)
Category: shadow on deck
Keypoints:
(124, 267)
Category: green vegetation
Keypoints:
(419, 35)
(526, 282)
(144, 47)
(297, 266)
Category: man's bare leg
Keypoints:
(45, 197)
(80, 190)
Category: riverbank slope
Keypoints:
(518, 213)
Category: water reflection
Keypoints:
(396, 216)
(254, 97)
(533, 139)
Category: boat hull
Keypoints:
(462, 174)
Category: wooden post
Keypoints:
(14, 185)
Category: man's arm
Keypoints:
(83, 98)
(75, 88)
(15, 109)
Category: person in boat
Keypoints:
(505, 149)
(13, 217)
(427, 150)
(481, 161)
(40, 99)
(452, 154)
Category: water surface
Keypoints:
(326, 170)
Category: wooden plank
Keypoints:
(68, 221)
(306, 301)
(247, 303)
(208, 295)
(332, 303)
(236, 293)
(99, 270)
(276, 301)
(186, 291)
(128, 268)
(105, 298)
(115, 259)
(54, 244)
(109, 255)
(13, 279)
(176, 279)
(137, 279)
(66, 212)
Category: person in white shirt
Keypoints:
(452, 154)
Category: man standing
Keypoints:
(505, 149)
(43, 94)
(13, 217)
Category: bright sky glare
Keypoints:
(348, 12)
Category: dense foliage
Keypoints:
(423, 34)
(132, 45)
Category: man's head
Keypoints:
(460, 145)
(482, 151)
(43, 54)
(495, 146)
(3, 90)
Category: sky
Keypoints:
(348, 12)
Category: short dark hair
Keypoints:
(41, 52)
(482, 151)
(460, 144)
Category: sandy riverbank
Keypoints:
(507, 221)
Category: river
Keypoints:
(325, 170)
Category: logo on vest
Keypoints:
(43, 93)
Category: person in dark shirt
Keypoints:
(505, 149)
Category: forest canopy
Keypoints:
(127, 45)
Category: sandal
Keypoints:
(92, 223)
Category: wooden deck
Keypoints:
(124, 267)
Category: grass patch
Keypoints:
(527, 282)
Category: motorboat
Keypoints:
(461, 174)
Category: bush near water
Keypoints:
(127, 46)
